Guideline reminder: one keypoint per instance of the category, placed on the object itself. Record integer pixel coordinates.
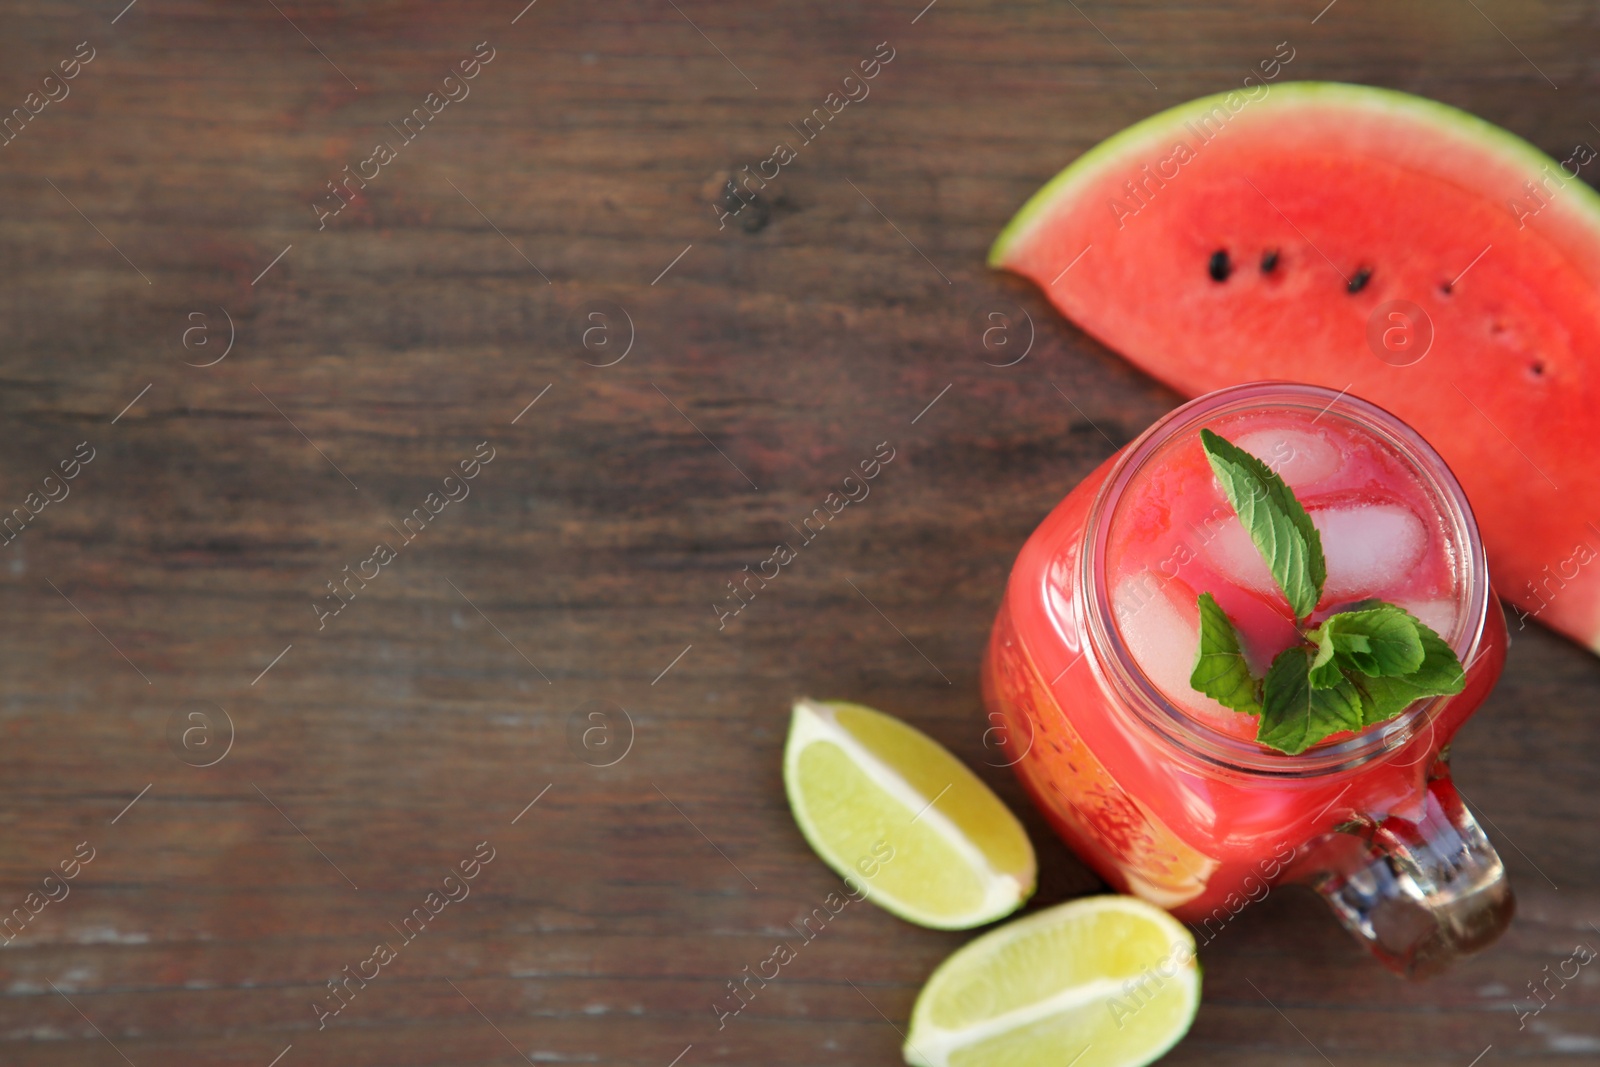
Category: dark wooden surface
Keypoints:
(774, 353)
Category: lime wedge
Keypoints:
(1099, 982)
(902, 820)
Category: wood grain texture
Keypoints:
(775, 353)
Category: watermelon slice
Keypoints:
(1369, 241)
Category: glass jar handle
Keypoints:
(1420, 894)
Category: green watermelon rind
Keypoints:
(1584, 202)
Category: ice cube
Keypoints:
(1369, 549)
(1233, 554)
(1163, 643)
(1301, 457)
(1437, 615)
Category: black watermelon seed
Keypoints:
(1269, 261)
(1219, 267)
(1359, 280)
(1537, 368)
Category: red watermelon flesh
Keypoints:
(1233, 239)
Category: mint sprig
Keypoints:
(1220, 670)
(1439, 674)
(1357, 668)
(1381, 640)
(1276, 522)
(1297, 714)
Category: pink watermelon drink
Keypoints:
(1175, 535)
(1167, 792)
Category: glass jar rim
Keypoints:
(1145, 700)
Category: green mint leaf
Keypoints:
(1439, 674)
(1294, 714)
(1220, 670)
(1381, 641)
(1279, 526)
(1325, 672)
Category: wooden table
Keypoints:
(178, 600)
